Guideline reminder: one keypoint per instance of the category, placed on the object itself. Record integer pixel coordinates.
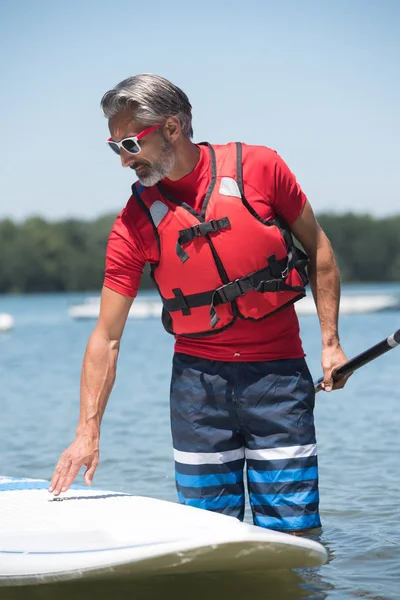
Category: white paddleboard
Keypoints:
(87, 532)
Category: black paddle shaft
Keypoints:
(362, 359)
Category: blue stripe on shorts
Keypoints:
(213, 503)
(214, 479)
(295, 498)
(287, 475)
(286, 523)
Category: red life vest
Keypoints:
(224, 263)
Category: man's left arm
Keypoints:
(324, 278)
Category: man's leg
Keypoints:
(208, 448)
(276, 413)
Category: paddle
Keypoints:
(362, 359)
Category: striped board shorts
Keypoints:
(225, 415)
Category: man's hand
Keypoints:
(84, 451)
(333, 357)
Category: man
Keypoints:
(215, 224)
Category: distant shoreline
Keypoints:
(39, 256)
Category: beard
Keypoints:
(150, 174)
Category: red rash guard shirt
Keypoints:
(266, 179)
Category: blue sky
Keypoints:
(317, 80)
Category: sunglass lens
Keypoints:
(131, 146)
(114, 147)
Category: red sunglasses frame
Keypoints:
(116, 146)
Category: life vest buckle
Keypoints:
(252, 281)
(232, 290)
(285, 272)
(197, 230)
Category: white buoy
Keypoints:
(6, 322)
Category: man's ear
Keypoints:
(172, 129)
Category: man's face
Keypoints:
(156, 158)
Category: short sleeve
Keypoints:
(288, 199)
(125, 259)
(270, 184)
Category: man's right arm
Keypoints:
(100, 361)
(97, 380)
(125, 260)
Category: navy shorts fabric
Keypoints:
(259, 414)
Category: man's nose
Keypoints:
(127, 159)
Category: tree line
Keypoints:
(43, 256)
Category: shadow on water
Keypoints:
(285, 585)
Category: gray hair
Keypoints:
(151, 98)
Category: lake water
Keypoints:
(358, 435)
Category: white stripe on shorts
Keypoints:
(282, 453)
(208, 458)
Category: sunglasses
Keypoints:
(131, 144)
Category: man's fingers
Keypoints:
(340, 383)
(90, 472)
(70, 476)
(82, 452)
(65, 474)
(54, 481)
(328, 381)
(58, 475)
(61, 481)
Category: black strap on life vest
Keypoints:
(269, 279)
(198, 230)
